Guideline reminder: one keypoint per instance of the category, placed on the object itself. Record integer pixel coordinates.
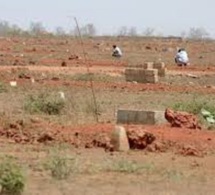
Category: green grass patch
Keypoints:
(12, 180)
(44, 103)
(96, 77)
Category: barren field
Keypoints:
(50, 118)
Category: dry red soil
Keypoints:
(52, 56)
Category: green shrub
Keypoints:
(124, 166)
(44, 103)
(11, 178)
(194, 107)
(96, 77)
(60, 167)
(2, 88)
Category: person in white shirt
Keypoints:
(181, 58)
(116, 51)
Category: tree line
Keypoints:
(38, 29)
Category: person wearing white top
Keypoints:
(116, 51)
(182, 58)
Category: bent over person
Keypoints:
(181, 58)
(116, 51)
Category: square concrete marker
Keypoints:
(119, 139)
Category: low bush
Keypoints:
(12, 180)
(44, 103)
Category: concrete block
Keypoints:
(152, 79)
(140, 117)
(141, 75)
(159, 117)
(159, 65)
(119, 139)
(162, 72)
(148, 65)
(151, 72)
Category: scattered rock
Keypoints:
(148, 47)
(45, 137)
(73, 57)
(63, 64)
(101, 141)
(191, 151)
(32, 62)
(181, 119)
(23, 76)
(140, 139)
(157, 147)
(192, 76)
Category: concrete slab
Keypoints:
(140, 117)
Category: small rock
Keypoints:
(63, 64)
(192, 76)
(13, 83)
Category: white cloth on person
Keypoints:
(182, 57)
(117, 52)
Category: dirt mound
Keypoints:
(163, 138)
(139, 138)
(181, 119)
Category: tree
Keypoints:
(149, 32)
(132, 32)
(198, 33)
(7, 29)
(89, 30)
(123, 31)
(4, 28)
(37, 28)
(59, 31)
(86, 30)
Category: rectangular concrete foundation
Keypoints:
(140, 117)
(141, 75)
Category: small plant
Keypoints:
(173, 175)
(60, 167)
(125, 166)
(2, 88)
(194, 107)
(96, 77)
(11, 178)
(44, 103)
(198, 108)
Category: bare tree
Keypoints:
(123, 31)
(90, 30)
(86, 30)
(37, 28)
(59, 31)
(7, 29)
(132, 32)
(198, 33)
(149, 32)
(4, 28)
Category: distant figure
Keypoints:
(116, 52)
(181, 58)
